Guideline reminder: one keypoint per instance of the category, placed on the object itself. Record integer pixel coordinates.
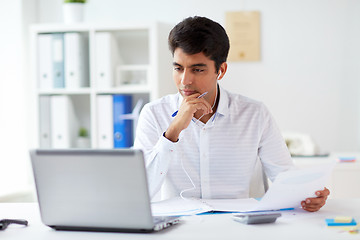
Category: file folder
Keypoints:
(63, 122)
(44, 120)
(45, 62)
(105, 125)
(76, 61)
(58, 59)
(123, 128)
(106, 59)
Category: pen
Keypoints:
(174, 114)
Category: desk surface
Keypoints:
(292, 225)
(343, 176)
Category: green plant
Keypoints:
(83, 132)
(74, 1)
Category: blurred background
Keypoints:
(308, 74)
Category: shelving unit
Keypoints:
(142, 69)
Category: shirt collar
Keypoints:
(223, 106)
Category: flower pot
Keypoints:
(82, 142)
(73, 12)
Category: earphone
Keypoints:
(219, 75)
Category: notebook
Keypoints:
(94, 190)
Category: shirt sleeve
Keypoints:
(157, 149)
(272, 150)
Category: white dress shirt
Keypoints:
(218, 156)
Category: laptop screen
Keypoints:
(92, 188)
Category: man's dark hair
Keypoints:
(200, 34)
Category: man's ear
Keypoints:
(222, 70)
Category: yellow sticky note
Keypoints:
(343, 219)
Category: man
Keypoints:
(204, 141)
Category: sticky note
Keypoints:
(346, 159)
(343, 219)
(331, 222)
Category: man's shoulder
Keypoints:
(243, 101)
(246, 107)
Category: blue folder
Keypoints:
(123, 128)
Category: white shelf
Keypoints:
(63, 91)
(144, 70)
(125, 89)
(84, 27)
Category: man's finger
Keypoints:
(323, 193)
(319, 200)
(311, 209)
(199, 100)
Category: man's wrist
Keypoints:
(172, 137)
(164, 134)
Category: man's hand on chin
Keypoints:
(314, 204)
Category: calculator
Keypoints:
(256, 218)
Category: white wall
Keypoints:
(14, 159)
(309, 72)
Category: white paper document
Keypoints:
(287, 191)
(292, 187)
(185, 207)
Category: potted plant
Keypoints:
(83, 140)
(73, 11)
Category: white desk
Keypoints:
(218, 226)
(345, 179)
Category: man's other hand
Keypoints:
(314, 204)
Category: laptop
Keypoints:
(94, 190)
